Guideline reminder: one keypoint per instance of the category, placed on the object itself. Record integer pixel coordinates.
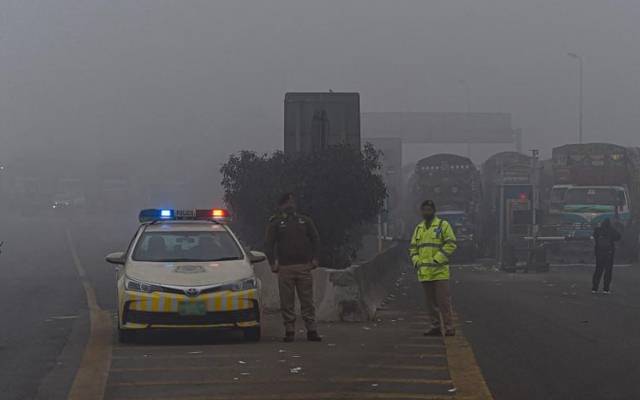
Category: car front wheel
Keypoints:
(126, 336)
(252, 334)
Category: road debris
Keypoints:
(61, 317)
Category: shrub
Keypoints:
(338, 187)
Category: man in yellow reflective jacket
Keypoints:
(432, 244)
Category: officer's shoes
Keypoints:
(433, 332)
(313, 336)
(607, 292)
(289, 337)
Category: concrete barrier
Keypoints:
(351, 294)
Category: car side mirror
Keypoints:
(115, 258)
(256, 257)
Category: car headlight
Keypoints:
(244, 284)
(137, 286)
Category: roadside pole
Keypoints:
(534, 206)
(501, 217)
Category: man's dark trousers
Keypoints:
(604, 263)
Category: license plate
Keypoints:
(198, 309)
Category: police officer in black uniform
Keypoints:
(292, 247)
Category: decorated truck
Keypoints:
(593, 182)
(453, 183)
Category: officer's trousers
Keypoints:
(292, 279)
(438, 301)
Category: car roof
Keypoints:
(164, 226)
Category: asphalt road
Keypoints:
(43, 345)
(42, 303)
(545, 336)
(45, 321)
(536, 336)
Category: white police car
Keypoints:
(186, 269)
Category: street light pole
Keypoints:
(580, 67)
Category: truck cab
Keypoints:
(581, 208)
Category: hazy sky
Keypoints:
(92, 77)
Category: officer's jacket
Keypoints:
(430, 249)
(291, 239)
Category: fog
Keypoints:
(173, 87)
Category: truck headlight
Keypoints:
(137, 286)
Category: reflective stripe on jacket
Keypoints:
(430, 249)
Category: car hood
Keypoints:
(189, 273)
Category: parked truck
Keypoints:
(592, 182)
(453, 183)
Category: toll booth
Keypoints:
(517, 246)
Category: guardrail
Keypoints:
(351, 294)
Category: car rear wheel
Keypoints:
(252, 334)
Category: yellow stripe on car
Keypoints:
(134, 301)
(155, 303)
(166, 302)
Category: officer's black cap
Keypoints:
(428, 203)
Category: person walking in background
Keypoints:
(605, 237)
(432, 244)
(293, 247)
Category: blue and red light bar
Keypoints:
(165, 214)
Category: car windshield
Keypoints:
(194, 246)
(593, 196)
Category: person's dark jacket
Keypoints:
(605, 237)
(291, 239)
